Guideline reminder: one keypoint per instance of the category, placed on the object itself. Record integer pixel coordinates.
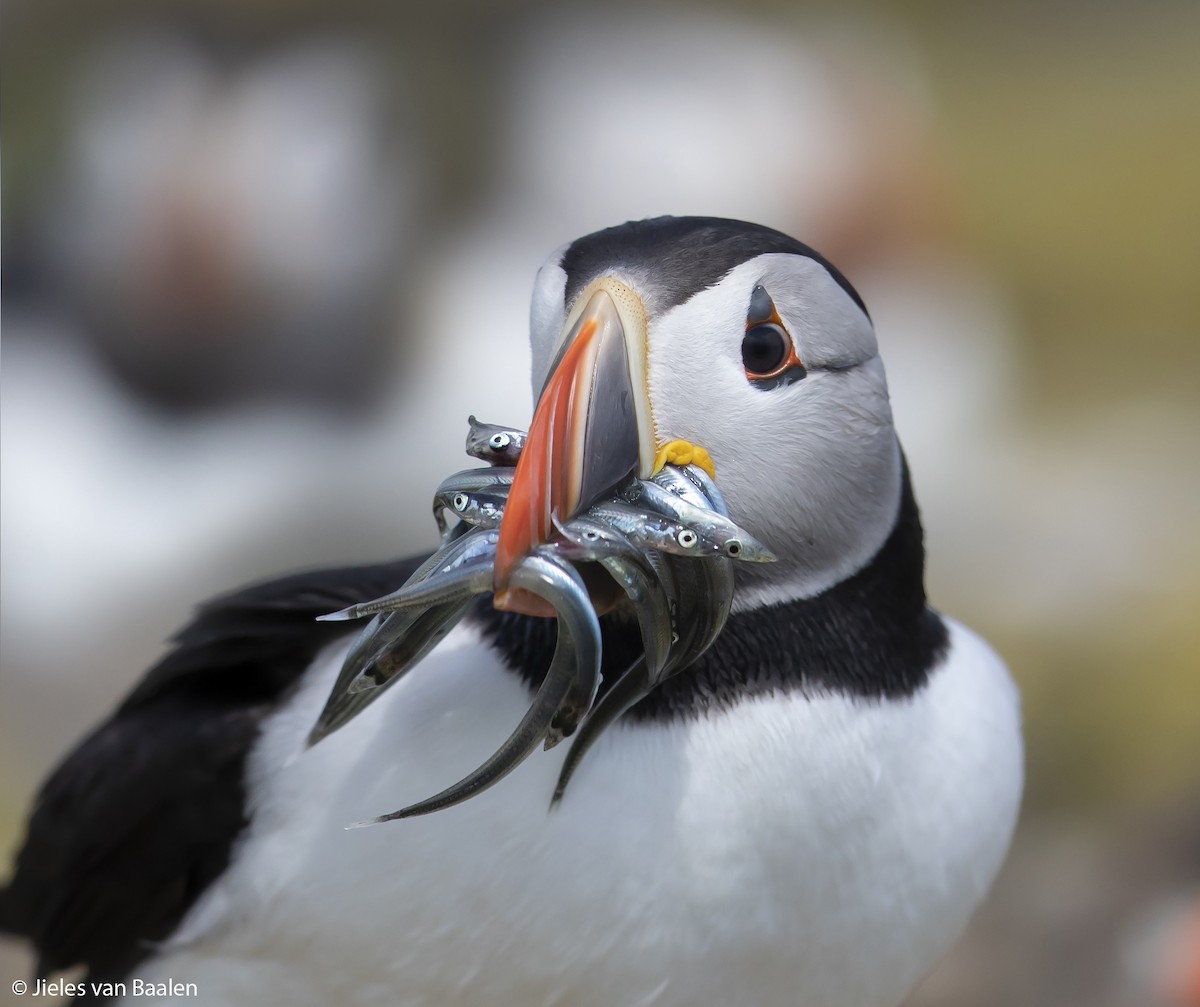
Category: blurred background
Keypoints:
(261, 259)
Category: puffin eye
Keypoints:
(764, 349)
(686, 538)
(499, 441)
(460, 501)
(768, 354)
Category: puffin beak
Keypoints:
(592, 430)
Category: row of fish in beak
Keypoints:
(668, 544)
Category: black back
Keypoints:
(140, 818)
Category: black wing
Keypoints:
(136, 822)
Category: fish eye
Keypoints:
(686, 538)
(460, 501)
(591, 536)
(499, 441)
(734, 548)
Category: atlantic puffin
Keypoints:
(808, 814)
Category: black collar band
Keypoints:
(872, 635)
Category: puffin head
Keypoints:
(725, 344)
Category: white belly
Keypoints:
(821, 852)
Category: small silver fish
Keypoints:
(576, 655)
(689, 482)
(394, 642)
(715, 531)
(703, 596)
(397, 648)
(632, 685)
(648, 539)
(586, 538)
(703, 593)
(481, 508)
(699, 478)
(461, 581)
(490, 486)
(692, 535)
(475, 547)
(496, 445)
(497, 477)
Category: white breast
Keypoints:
(815, 851)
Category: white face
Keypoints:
(811, 468)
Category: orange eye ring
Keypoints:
(768, 366)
